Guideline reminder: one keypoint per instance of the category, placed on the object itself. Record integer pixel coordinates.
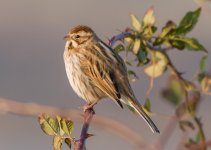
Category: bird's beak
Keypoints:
(67, 37)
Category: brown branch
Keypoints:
(88, 114)
(32, 109)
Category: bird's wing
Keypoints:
(121, 72)
(100, 72)
(102, 77)
(118, 66)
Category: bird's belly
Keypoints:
(80, 83)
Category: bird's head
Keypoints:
(79, 36)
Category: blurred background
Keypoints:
(32, 68)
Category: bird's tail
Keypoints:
(139, 109)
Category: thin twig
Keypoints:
(151, 77)
(157, 48)
(151, 84)
(32, 109)
(201, 132)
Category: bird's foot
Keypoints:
(89, 107)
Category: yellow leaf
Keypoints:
(149, 18)
(158, 66)
(161, 56)
(136, 45)
(128, 39)
(136, 23)
(155, 70)
(48, 125)
(66, 126)
(205, 84)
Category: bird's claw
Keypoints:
(89, 107)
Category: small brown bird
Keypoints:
(96, 71)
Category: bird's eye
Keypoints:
(77, 36)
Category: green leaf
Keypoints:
(136, 23)
(193, 44)
(169, 28)
(66, 126)
(119, 48)
(177, 87)
(177, 44)
(68, 142)
(158, 41)
(174, 92)
(131, 108)
(188, 22)
(129, 47)
(203, 63)
(48, 125)
(190, 43)
(132, 73)
(149, 18)
(147, 105)
(149, 31)
(199, 137)
(201, 76)
(57, 142)
(142, 56)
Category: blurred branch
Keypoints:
(205, 7)
(166, 134)
(183, 138)
(206, 93)
(208, 143)
(32, 109)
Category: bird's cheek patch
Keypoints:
(74, 44)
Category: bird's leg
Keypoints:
(89, 107)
